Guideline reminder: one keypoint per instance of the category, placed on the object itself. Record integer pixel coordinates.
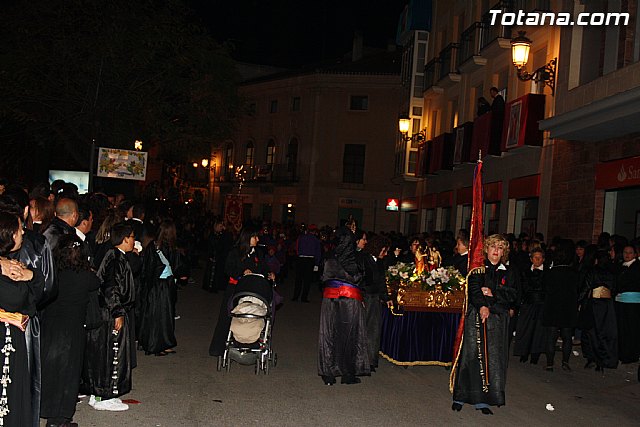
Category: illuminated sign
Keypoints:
(392, 204)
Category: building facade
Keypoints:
(468, 55)
(596, 127)
(316, 147)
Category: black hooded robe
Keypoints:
(107, 353)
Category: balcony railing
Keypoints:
(531, 5)
(470, 42)
(448, 60)
(492, 32)
(277, 173)
(431, 73)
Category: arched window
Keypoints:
(271, 153)
(249, 155)
(292, 157)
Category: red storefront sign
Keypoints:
(492, 192)
(445, 199)
(429, 201)
(618, 173)
(525, 187)
(464, 196)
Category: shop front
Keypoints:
(620, 181)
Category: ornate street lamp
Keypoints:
(403, 127)
(137, 145)
(520, 48)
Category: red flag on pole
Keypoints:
(476, 259)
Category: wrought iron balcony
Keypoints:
(492, 33)
(431, 73)
(448, 72)
(468, 57)
(276, 173)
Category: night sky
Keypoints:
(292, 33)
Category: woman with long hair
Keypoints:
(157, 323)
(42, 212)
(19, 289)
(244, 258)
(103, 235)
(166, 242)
(63, 333)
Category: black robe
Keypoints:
(375, 290)
(481, 368)
(599, 326)
(157, 321)
(108, 354)
(342, 340)
(628, 314)
(63, 343)
(531, 335)
(19, 297)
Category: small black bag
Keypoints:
(97, 312)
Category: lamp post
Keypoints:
(403, 127)
(210, 166)
(520, 48)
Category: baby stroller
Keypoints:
(249, 338)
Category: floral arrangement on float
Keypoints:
(433, 288)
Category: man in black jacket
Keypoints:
(64, 222)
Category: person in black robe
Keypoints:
(107, 368)
(375, 292)
(531, 339)
(342, 340)
(627, 306)
(219, 245)
(35, 253)
(480, 370)
(244, 258)
(561, 286)
(157, 323)
(497, 120)
(63, 333)
(599, 330)
(20, 287)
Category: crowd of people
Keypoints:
(89, 279)
(78, 300)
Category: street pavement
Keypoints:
(185, 389)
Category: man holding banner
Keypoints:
(478, 375)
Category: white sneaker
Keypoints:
(176, 318)
(110, 405)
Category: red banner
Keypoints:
(233, 212)
(618, 173)
(521, 122)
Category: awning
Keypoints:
(611, 117)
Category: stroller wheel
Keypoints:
(219, 364)
(257, 368)
(274, 359)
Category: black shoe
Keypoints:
(350, 379)
(372, 368)
(456, 406)
(486, 411)
(566, 367)
(523, 359)
(590, 364)
(328, 380)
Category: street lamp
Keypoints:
(520, 48)
(137, 145)
(205, 163)
(403, 127)
(195, 164)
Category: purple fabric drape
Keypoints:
(419, 336)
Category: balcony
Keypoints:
(283, 174)
(448, 74)
(431, 88)
(469, 58)
(494, 38)
(532, 5)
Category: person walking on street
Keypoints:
(308, 261)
